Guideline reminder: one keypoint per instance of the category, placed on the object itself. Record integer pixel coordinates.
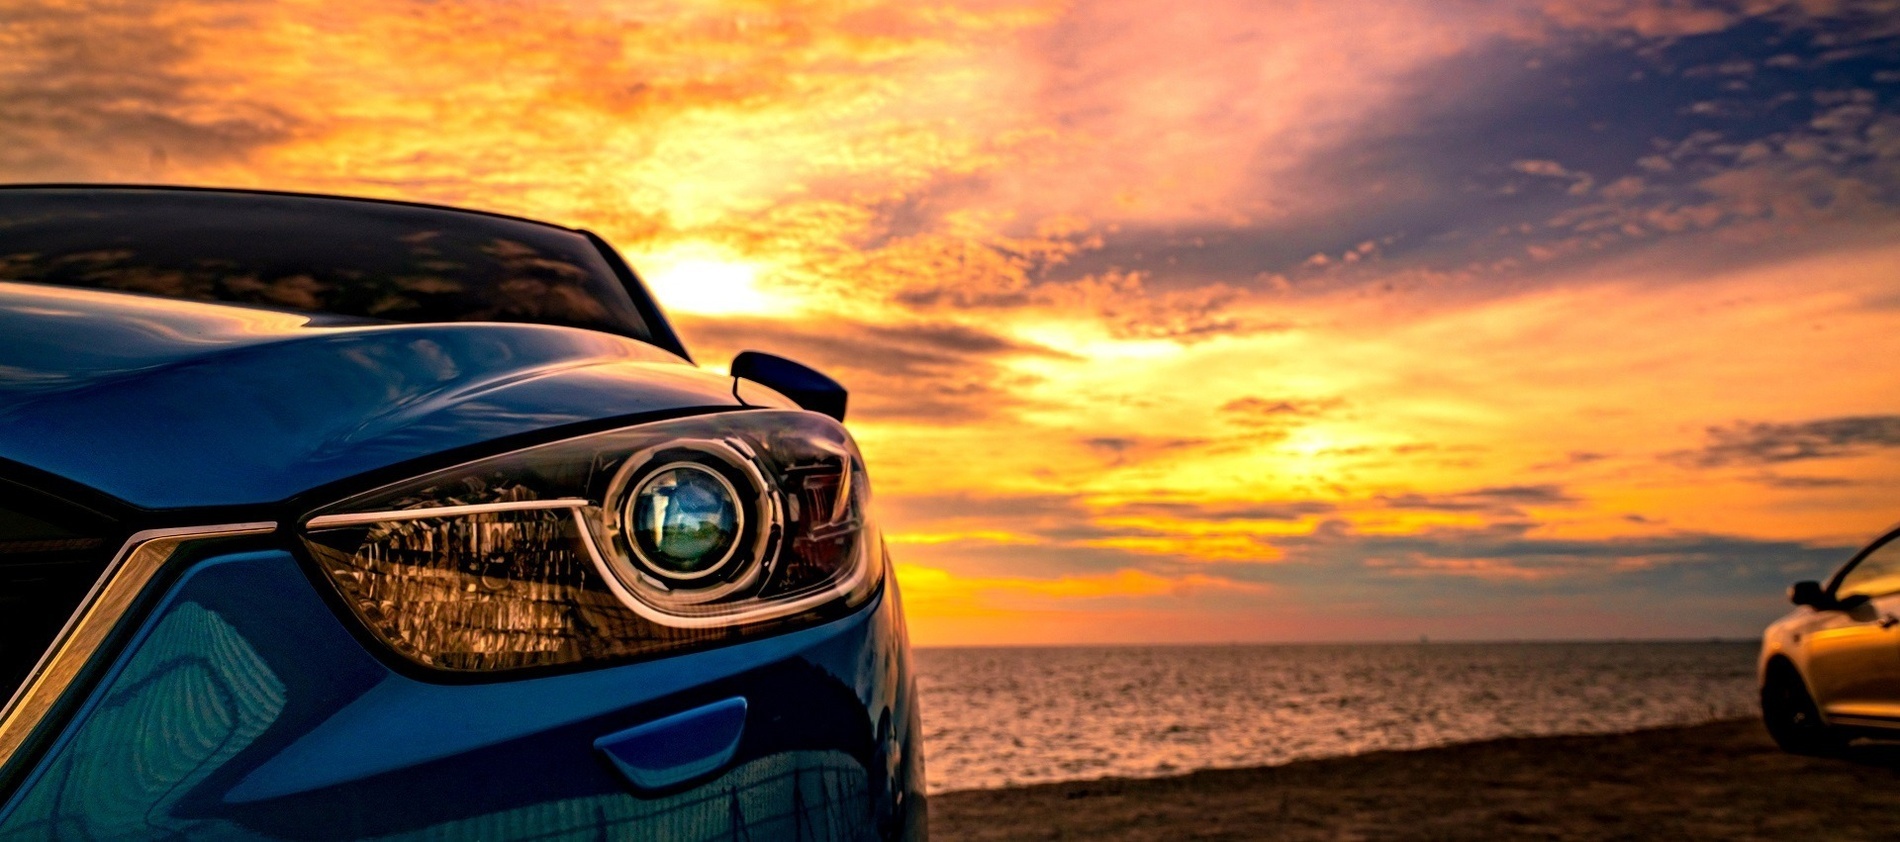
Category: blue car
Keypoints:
(328, 518)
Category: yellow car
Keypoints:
(1830, 670)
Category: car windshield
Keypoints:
(352, 258)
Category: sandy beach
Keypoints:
(1723, 780)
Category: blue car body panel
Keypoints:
(175, 404)
(243, 708)
(245, 705)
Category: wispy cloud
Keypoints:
(938, 371)
(109, 91)
(1760, 443)
(1506, 500)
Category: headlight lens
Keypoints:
(685, 521)
(640, 541)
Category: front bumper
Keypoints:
(244, 707)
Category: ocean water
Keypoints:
(1005, 716)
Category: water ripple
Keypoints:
(998, 717)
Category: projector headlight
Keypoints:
(640, 541)
(685, 519)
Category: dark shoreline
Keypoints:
(1723, 780)
(1448, 641)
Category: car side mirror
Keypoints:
(805, 386)
(1811, 595)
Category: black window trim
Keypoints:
(1890, 536)
(643, 301)
(661, 330)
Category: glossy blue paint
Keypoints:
(243, 708)
(256, 405)
(672, 750)
(467, 719)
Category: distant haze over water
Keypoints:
(1003, 716)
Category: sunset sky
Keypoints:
(1166, 321)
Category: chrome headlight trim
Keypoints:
(365, 518)
(582, 510)
(616, 509)
(759, 613)
(804, 542)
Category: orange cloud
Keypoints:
(1121, 290)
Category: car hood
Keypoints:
(165, 403)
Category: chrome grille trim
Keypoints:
(105, 605)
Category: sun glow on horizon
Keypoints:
(705, 280)
(1164, 326)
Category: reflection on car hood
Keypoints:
(166, 403)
